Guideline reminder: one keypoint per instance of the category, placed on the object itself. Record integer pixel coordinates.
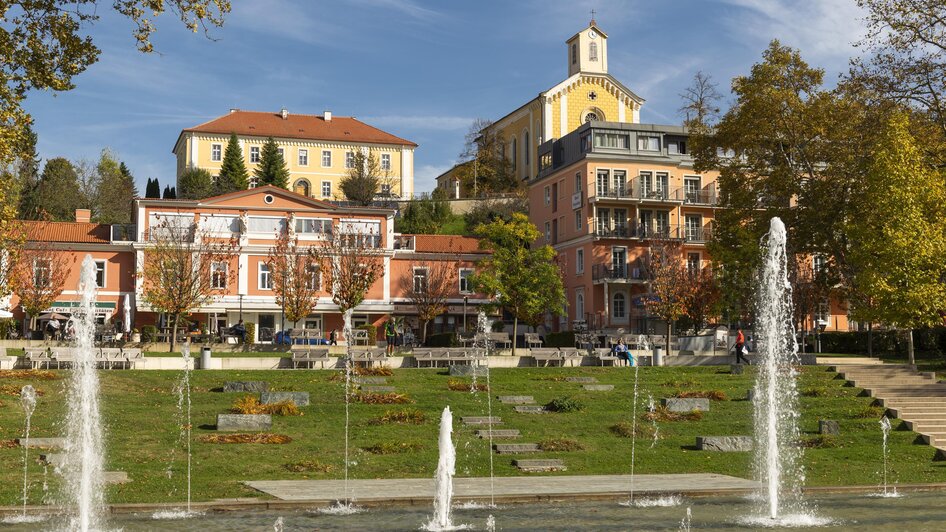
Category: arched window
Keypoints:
(579, 306)
(301, 187)
(513, 154)
(591, 117)
(592, 51)
(526, 146)
(593, 114)
(619, 306)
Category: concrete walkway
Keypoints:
(506, 488)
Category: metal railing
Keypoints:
(697, 234)
(631, 271)
(172, 234)
(700, 197)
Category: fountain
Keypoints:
(885, 429)
(481, 341)
(443, 480)
(84, 449)
(686, 521)
(652, 408)
(28, 402)
(633, 432)
(184, 407)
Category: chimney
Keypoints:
(328, 116)
(83, 216)
(284, 113)
(233, 110)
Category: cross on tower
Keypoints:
(593, 16)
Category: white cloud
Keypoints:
(283, 20)
(429, 122)
(406, 7)
(425, 177)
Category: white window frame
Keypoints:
(324, 195)
(282, 153)
(267, 233)
(215, 271)
(578, 217)
(47, 271)
(326, 158)
(254, 154)
(424, 277)
(579, 261)
(463, 276)
(104, 269)
(579, 303)
(313, 273)
(303, 157)
(614, 307)
(262, 269)
(385, 189)
(216, 152)
(349, 159)
(548, 195)
(386, 161)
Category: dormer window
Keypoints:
(592, 51)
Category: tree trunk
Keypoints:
(870, 339)
(423, 332)
(669, 324)
(515, 332)
(173, 334)
(910, 359)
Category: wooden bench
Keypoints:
(305, 354)
(605, 356)
(547, 356)
(500, 338)
(37, 357)
(368, 357)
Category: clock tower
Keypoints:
(588, 51)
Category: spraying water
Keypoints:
(652, 408)
(685, 522)
(481, 341)
(443, 480)
(278, 525)
(777, 458)
(85, 449)
(28, 402)
(346, 506)
(885, 429)
(633, 433)
(184, 407)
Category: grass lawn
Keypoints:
(455, 225)
(140, 412)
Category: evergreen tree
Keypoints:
(272, 167)
(57, 195)
(233, 174)
(153, 189)
(196, 183)
(26, 170)
(116, 191)
(167, 192)
(173, 192)
(363, 181)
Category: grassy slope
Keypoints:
(140, 410)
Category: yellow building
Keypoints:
(588, 94)
(318, 149)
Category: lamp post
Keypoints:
(822, 324)
(465, 300)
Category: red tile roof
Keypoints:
(297, 126)
(71, 232)
(446, 244)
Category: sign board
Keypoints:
(576, 200)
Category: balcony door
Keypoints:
(601, 188)
(646, 184)
(662, 223)
(604, 221)
(662, 186)
(620, 222)
(646, 223)
(619, 262)
(691, 189)
(620, 183)
(693, 226)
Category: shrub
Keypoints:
(662, 413)
(821, 441)
(7, 326)
(8, 444)
(379, 371)
(401, 417)
(441, 340)
(372, 332)
(870, 412)
(31, 374)
(498, 326)
(250, 332)
(14, 390)
(461, 385)
(560, 339)
(625, 429)
(241, 437)
(565, 404)
(553, 445)
(249, 404)
(715, 395)
(815, 391)
(680, 383)
(149, 333)
(393, 447)
(370, 398)
(308, 466)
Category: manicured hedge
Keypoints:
(441, 340)
(560, 339)
(927, 342)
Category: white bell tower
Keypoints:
(588, 50)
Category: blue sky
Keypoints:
(420, 70)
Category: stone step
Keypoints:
(539, 466)
(895, 381)
(481, 420)
(370, 380)
(377, 389)
(938, 425)
(497, 433)
(516, 448)
(246, 386)
(244, 422)
(42, 443)
(53, 459)
(115, 477)
(726, 444)
(581, 380)
(300, 398)
(919, 410)
(907, 391)
(598, 387)
(516, 399)
(531, 409)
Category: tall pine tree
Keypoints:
(168, 193)
(233, 174)
(196, 183)
(26, 168)
(116, 191)
(272, 167)
(153, 189)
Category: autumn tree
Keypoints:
(233, 174)
(485, 168)
(296, 277)
(38, 276)
(523, 276)
(428, 287)
(363, 181)
(184, 268)
(25, 169)
(195, 183)
(425, 215)
(900, 241)
(669, 284)
(703, 297)
(271, 169)
(700, 107)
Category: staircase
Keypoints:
(916, 398)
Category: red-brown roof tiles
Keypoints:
(70, 232)
(297, 126)
(446, 244)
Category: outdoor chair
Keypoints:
(533, 340)
(572, 355)
(107, 357)
(500, 339)
(359, 337)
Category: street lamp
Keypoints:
(822, 325)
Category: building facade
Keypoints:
(251, 218)
(588, 94)
(318, 149)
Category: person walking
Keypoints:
(333, 337)
(390, 335)
(741, 348)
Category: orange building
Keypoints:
(252, 218)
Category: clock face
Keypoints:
(592, 34)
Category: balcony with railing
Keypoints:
(697, 235)
(636, 192)
(705, 197)
(171, 234)
(631, 271)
